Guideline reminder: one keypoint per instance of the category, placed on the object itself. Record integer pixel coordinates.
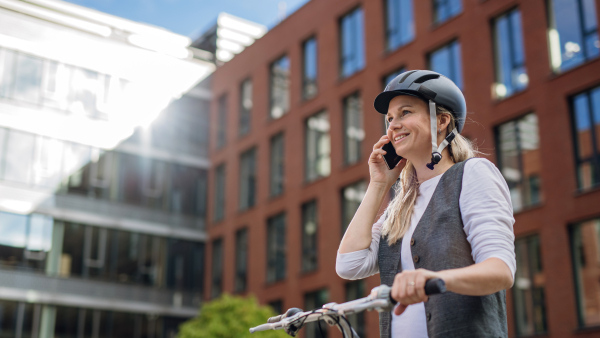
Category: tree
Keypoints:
(229, 317)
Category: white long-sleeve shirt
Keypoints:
(488, 220)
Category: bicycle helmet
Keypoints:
(434, 88)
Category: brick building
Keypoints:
(293, 126)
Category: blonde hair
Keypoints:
(399, 211)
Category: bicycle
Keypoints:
(335, 314)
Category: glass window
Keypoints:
(318, 146)
(276, 248)
(573, 33)
(18, 156)
(185, 266)
(219, 192)
(7, 72)
(241, 260)
(8, 318)
(310, 250)
(447, 61)
(352, 45)
(280, 87)
(309, 71)
(352, 196)
(247, 179)
(25, 240)
(316, 300)
(400, 24)
(511, 74)
(28, 80)
(586, 125)
(245, 107)
(217, 268)
(353, 127)
(520, 160)
(586, 259)
(222, 121)
(528, 291)
(355, 290)
(277, 165)
(446, 9)
(66, 322)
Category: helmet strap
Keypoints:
(436, 153)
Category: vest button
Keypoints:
(416, 258)
(412, 241)
(428, 316)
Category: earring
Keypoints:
(439, 132)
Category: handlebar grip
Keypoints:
(275, 319)
(432, 287)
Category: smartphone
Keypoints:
(391, 158)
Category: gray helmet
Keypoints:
(434, 88)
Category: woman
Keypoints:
(451, 218)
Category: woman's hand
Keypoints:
(409, 288)
(377, 167)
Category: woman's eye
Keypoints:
(389, 119)
(404, 112)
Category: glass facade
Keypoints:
(50, 85)
(573, 33)
(25, 241)
(352, 44)
(585, 244)
(446, 9)
(277, 164)
(400, 23)
(318, 146)
(353, 129)
(245, 107)
(309, 70)
(216, 272)
(316, 300)
(447, 61)
(511, 73)
(222, 121)
(280, 87)
(352, 196)
(310, 250)
(276, 248)
(519, 160)
(528, 290)
(355, 290)
(241, 260)
(219, 202)
(586, 130)
(248, 179)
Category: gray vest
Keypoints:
(440, 243)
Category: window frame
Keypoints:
(347, 162)
(386, 27)
(459, 72)
(219, 198)
(241, 269)
(595, 139)
(278, 248)
(342, 57)
(243, 112)
(216, 282)
(271, 86)
(310, 164)
(309, 253)
(280, 136)
(248, 157)
(435, 7)
(304, 95)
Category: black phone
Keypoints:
(391, 158)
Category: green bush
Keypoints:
(229, 317)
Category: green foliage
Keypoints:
(230, 317)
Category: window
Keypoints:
(353, 129)
(280, 87)
(400, 24)
(217, 268)
(445, 9)
(352, 48)
(276, 248)
(352, 195)
(586, 125)
(247, 179)
(222, 121)
(316, 300)
(318, 146)
(309, 236)
(241, 260)
(520, 160)
(277, 165)
(309, 71)
(447, 62)
(511, 74)
(356, 290)
(245, 107)
(528, 291)
(586, 259)
(219, 193)
(277, 306)
(573, 33)
(25, 241)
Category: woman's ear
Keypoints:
(443, 121)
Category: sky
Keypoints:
(192, 17)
